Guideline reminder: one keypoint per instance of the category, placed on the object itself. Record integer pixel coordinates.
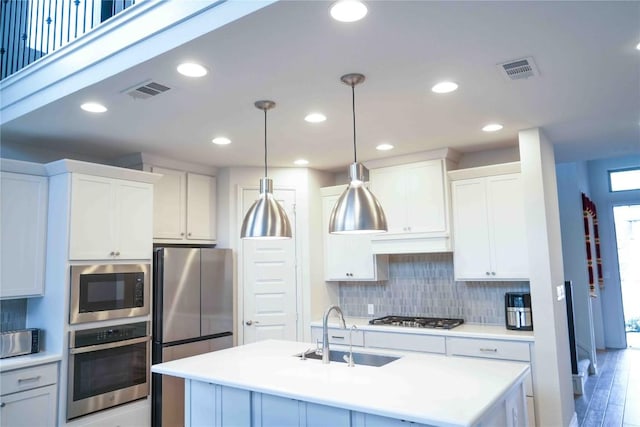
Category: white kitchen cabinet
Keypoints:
(412, 196)
(348, 257)
(23, 215)
(184, 206)
(110, 218)
(415, 200)
(411, 342)
(501, 350)
(490, 241)
(29, 396)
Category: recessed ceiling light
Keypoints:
(315, 118)
(301, 162)
(191, 69)
(444, 87)
(492, 127)
(221, 140)
(93, 107)
(638, 46)
(384, 147)
(348, 11)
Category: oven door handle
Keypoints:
(108, 345)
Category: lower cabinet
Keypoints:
(503, 350)
(29, 396)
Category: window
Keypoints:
(624, 179)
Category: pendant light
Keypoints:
(357, 209)
(266, 218)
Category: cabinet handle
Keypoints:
(117, 253)
(489, 350)
(24, 380)
(189, 234)
(182, 234)
(493, 273)
(487, 273)
(112, 253)
(337, 337)
(2, 405)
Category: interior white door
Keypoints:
(269, 279)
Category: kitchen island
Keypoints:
(265, 384)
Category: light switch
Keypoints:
(560, 292)
(369, 308)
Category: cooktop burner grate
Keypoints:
(417, 322)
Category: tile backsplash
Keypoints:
(13, 314)
(423, 285)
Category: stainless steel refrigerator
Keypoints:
(192, 314)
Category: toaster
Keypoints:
(18, 343)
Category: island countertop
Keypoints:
(423, 388)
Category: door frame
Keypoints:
(240, 268)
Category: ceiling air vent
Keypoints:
(519, 69)
(146, 90)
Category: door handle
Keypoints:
(251, 322)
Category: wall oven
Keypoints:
(108, 366)
(108, 291)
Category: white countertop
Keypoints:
(468, 330)
(28, 360)
(424, 388)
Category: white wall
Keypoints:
(40, 154)
(611, 296)
(572, 182)
(552, 363)
(489, 157)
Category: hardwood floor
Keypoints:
(612, 398)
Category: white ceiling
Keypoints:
(586, 99)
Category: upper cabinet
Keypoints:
(23, 215)
(110, 218)
(490, 240)
(184, 207)
(415, 200)
(348, 257)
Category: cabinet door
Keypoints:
(201, 207)
(22, 246)
(92, 221)
(133, 210)
(471, 256)
(388, 185)
(169, 204)
(425, 197)
(36, 407)
(346, 257)
(507, 227)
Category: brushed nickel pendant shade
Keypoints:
(266, 218)
(357, 209)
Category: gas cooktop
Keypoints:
(417, 322)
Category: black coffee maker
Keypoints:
(517, 311)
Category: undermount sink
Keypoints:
(366, 359)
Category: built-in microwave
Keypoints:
(108, 291)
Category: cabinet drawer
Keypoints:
(492, 349)
(411, 342)
(338, 336)
(28, 378)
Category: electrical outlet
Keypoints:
(560, 292)
(369, 308)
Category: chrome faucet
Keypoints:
(325, 331)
